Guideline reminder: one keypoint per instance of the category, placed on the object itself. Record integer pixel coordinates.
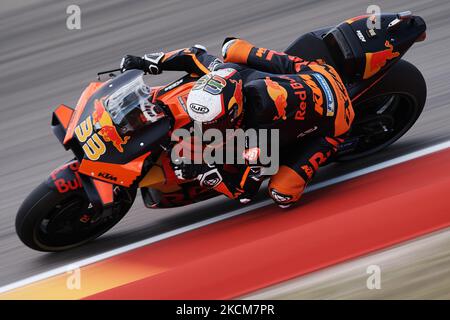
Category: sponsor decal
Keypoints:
(198, 108)
(342, 96)
(63, 185)
(316, 92)
(260, 52)
(360, 36)
(108, 131)
(85, 218)
(318, 159)
(304, 133)
(271, 53)
(279, 96)
(300, 92)
(301, 112)
(107, 176)
(182, 101)
(173, 85)
(328, 94)
(237, 96)
(377, 60)
(94, 146)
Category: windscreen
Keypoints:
(130, 107)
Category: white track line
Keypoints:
(169, 234)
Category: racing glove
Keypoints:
(149, 63)
(188, 171)
(226, 45)
(207, 175)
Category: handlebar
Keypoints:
(109, 72)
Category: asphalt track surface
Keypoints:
(42, 64)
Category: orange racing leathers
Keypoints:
(306, 100)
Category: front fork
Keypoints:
(66, 178)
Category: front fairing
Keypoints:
(104, 152)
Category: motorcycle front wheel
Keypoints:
(51, 221)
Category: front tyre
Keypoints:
(51, 221)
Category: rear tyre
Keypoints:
(51, 221)
(386, 112)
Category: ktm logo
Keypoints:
(260, 52)
(107, 176)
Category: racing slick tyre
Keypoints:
(386, 112)
(51, 221)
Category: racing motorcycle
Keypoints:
(114, 154)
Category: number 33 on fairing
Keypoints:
(93, 146)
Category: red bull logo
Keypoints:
(377, 60)
(279, 96)
(108, 131)
(237, 96)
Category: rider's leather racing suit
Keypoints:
(306, 100)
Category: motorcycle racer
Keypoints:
(260, 88)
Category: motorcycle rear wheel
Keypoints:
(387, 111)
